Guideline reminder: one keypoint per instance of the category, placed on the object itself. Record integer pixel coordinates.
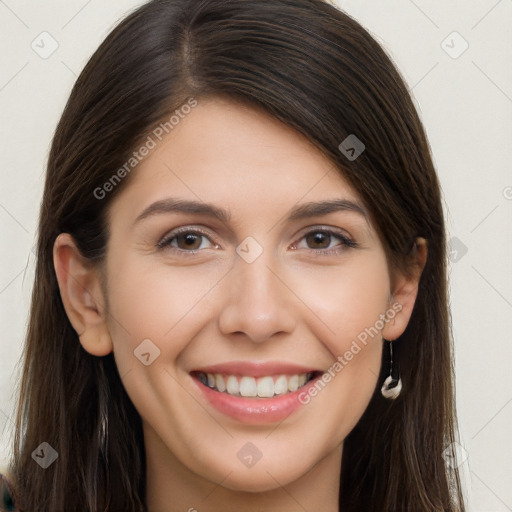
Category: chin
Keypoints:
(258, 480)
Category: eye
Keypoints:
(185, 240)
(322, 238)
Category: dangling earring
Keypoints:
(392, 386)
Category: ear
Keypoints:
(405, 290)
(82, 296)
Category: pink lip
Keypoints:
(255, 411)
(256, 370)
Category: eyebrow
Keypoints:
(303, 211)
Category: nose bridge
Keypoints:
(259, 302)
(257, 282)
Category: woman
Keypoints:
(190, 347)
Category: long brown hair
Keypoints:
(316, 69)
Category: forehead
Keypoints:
(238, 157)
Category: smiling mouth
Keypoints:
(251, 387)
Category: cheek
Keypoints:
(347, 300)
(151, 300)
(154, 309)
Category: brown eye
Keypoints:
(185, 241)
(319, 239)
(189, 241)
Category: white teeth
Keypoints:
(232, 385)
(219, 383)
(293, 383)
(248, 386)
(264, 387)
(281, 385)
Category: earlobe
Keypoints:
(82, 296)
(405, 291)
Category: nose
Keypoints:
(259, 302)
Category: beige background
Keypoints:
(466, 103)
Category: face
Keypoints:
(247, 329)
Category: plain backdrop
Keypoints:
(455, 57)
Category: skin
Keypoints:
(292, 305)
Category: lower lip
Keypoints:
(255, 410)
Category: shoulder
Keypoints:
(7, 503)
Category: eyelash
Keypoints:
(346, 242)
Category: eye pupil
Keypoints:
(319, 237)
(189, 239)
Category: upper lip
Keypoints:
(256, 369)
